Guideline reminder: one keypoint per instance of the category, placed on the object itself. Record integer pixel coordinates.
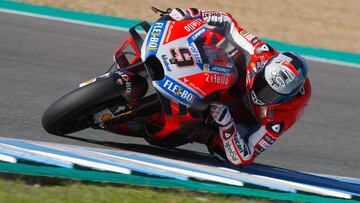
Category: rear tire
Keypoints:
(74, 111)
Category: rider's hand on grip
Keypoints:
(220, 113)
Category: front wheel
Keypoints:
(74, 111)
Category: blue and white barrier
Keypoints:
(128, 162)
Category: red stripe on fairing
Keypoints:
(177, 29)
(291, 67)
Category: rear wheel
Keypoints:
(74, 111)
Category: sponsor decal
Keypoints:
(238, 144)
(242, 147)
(249, 37)
(269, 139)
(246, 150)
(198, 33)
(206, 83)
(119, 81)
(259, 148)
(276, 128)
(220, 69)
(195, 52)
(155, 37)
(263, 48)
(180, 92)
(169, 32)
(217, 79)
(106, 117)
(193, 25)
(231, 151)
(125, 79)
(211, 14)
(229, 132)
(192, 85)
(166, 63)
(290, 67)
(282, 78)
(227, 135)
(264, 144)
(213, 17)
(279, 80)
(180, 29)
(215, 68)
(103, 116)
(206, 67)
(191, 82)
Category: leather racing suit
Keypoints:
(249, 128)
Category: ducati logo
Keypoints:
(230, 150)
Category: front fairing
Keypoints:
(192, 70)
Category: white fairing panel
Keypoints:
(187, 77)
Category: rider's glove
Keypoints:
(179, 14)
(220, 113)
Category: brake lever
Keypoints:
(162, 13)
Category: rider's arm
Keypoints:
(241, 39)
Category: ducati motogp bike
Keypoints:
(158, 88)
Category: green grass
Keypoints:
(35, 190)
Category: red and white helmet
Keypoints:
(280, 79)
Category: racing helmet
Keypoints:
(280, 79)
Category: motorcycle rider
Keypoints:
(271, 97)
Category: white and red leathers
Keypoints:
(264, 123)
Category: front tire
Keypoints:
(74, 111)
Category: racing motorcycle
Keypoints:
(158, 88)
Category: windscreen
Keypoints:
(216, 56)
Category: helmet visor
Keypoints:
(264, 92)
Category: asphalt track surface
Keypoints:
(41, 60)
